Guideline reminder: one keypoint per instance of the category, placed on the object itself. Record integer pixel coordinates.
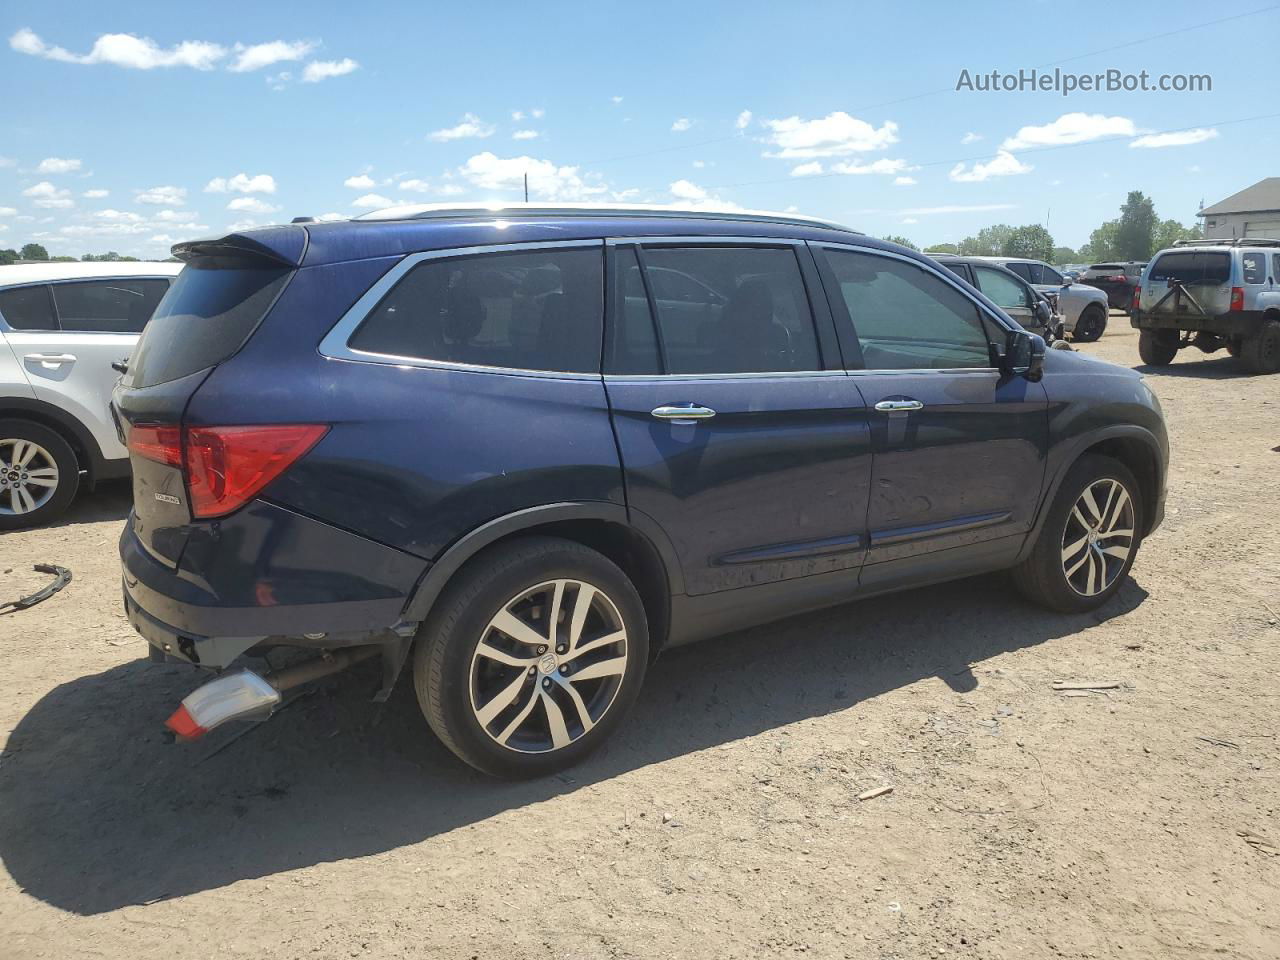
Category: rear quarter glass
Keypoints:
(212, 308)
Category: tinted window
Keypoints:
(1048, 275)
(1192, 267)
(1003, 290)
(906, 318)
(1275, 267)
(634, 346)
(210, 310)
(731, 310)
(1021, 269)
(28, 308)
(1255, 267)
(118, 305)
(959, 269)
(527, 310)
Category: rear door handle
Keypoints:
(683, 413)
(890, 406)
(50, 358)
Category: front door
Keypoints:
(740, 434)
(958, 445)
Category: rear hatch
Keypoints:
(1188, 283)
(214, 306)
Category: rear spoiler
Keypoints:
(285, 245)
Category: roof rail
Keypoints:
(453, 211)
(1233, 242)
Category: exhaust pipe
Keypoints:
(245, 695)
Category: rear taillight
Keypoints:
(1137, 297)
(225, 467)
(1237, 298)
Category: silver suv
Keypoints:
(62, 326)
(1083, 308)
(1212, 294)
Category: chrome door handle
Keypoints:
(50, 358)
(890, 406)
(686, 413)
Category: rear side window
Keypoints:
(1023, 270)
(1045, 274)
(1192, 267)
(28, 308)
(1001, 289)
(208, 313)
(118, 305)
(526, 310)
(1255, 267)
(730, 310)
(1275, 267)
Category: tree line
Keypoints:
(1135, 234)
(36, 251)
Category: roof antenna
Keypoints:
(526, 186)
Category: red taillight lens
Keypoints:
(227, 466)
(1137, 297)
(161, 444)
(1237, 298)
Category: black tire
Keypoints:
(1157, 348)
(447, 684)
(1091, 325)
(51, 446)
(1234, 346)
(1260, 353)
(1042, 577)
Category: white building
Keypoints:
(1253, 212)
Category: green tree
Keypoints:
(1137, 227)
(1064, 255)
(1031, 241)
(942, 248)
(8, 256)
(62, 259)
(988, 242)
(1168, 232)
(1102, 243)
(33, 251)
(901, 241)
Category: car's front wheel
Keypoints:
(38, 474)
(532, 656)
(1089, 538)
(1091, 324)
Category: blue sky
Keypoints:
(131, 126)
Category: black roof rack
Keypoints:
(1233, 242)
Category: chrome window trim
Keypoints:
(4, 324)
(704, 240)
(754, 375)
(335, 346)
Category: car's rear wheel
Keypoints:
(1157, 348)
(1091, 324)
(38, 474)
(531, 657)
(1260, 353)
(1089, 539)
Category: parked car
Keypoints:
(62, 326)
(1212, 295)
(1117, 280)
(347, 450)
(1033, 310)
(1083, 308)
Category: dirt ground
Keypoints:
(723, 821)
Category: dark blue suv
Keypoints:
(526, 449)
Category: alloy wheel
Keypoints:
(28, 476)
(1098, 537)
(548, 666)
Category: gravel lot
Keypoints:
(724, 820)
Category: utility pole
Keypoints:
(526, 186)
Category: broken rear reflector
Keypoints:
(239, 695)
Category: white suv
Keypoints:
(62, 326)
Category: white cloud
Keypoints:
(834, 135)
(57, 165)
(687, 190)
(517, 115)
(1005, 164)
(318, 70)
(242, 183)
(616, 99)
(96, 194)
(525, 135)
(956, 208)
(7, 211)
(744, 120)
(810, 169)
(103, 229)
(125, 50)
(45, 194)
(546, 180)
(163, 196)
(251, 205)
(1181, 138)
(681, 125)
(278, 81)
(470, 126)
(451, 190)
(261, 55)
(373, 201)
(904, 181)
(414, 186)
(246, 224)
(971, 137)
(689, 194)
(910, 220)
(537, 113)
(172, 216)
(8, 162)
(1070, 128)
(699, 164)
(883, 166)
(117, 216)
(327, 217)
(361, 181)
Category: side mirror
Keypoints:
(1024, 354)
(1043, 312)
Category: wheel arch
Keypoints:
(88, 455)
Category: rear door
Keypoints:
(958, 445)
(739, 432)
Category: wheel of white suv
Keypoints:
(1091, 324)
(1260, 353)
(1157, 348)
(1089, 538)
(38, 474)
(531, 657)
